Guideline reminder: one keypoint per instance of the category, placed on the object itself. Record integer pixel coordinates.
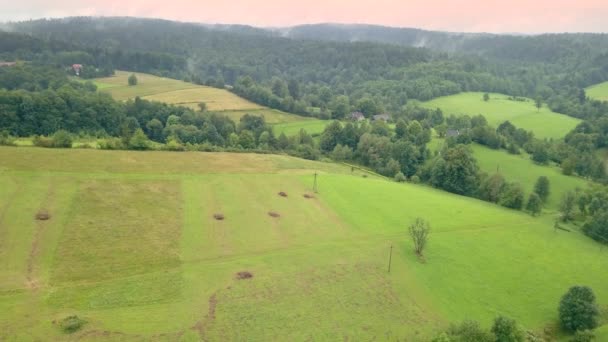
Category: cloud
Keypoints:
(453, 15)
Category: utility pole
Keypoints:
(314, 186)
(390, 257)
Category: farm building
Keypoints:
(77, 68)
(384, 117)
(357, 116)
(452, 133)
(7, 64)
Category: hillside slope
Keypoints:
(181, 93)
(523, 114)
(132, 247)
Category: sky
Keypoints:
(507, 16)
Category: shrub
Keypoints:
(112, 144)
(415, 179)
(6, 139)
(62, 139)
(139, 141)
(506, 330)
(400, 177)
(542, 188)
(419, 232)
(583, 336)
(578, 310)
(42, 141)
(72, 324)
(597, 226)
(469, 331)
(132, 80)
(535, 204)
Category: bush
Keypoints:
(139, 141)
(578, 310)
(535, 204)
(469, 331)
(597, 226)
(111, 144)
(583, 336)
(42, 141)
(71, 324)
(132, 80)
(6, 139)
(173, 145)
(62, 139)
(400, 177)
(506, 330)
(415, 179)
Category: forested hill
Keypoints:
(325, 78)
(443, 41)
(539, 48)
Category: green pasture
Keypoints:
(133, 248)
(521, 169)
(189, 95)
(312, 126)
(598, 91)
(523, 114)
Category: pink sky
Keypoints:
(525, 16)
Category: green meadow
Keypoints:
(189, 95)
(133, 248)
(598, 91)
(523, 114)
(312, 126)
(521, 169)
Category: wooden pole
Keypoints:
(390, 257)
(314, 187)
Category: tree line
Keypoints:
(324, 78)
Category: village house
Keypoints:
(77, 68)
(7, 64)
(357, 116)
(452, 133)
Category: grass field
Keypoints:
(312, 126)
(133, 248)
(521, 169)
(181, 93)
(499, 109)
(598, 91)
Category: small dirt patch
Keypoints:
(43, 215)
(219, 217)
(283, 194)
(309, 196)
(273, 214)
(244, 275)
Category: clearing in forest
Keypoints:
(500, 108)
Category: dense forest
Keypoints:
(323, 78)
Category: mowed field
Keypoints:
(133, 248)
(313, 127)
(544, 123)
(598, 91)
(181, 93)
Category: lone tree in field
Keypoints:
(541, 188)
(486, 97)
(535, 204)
(419, 231)
(538, 103)
(578, 310)
(568, 206)
(132, 80)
